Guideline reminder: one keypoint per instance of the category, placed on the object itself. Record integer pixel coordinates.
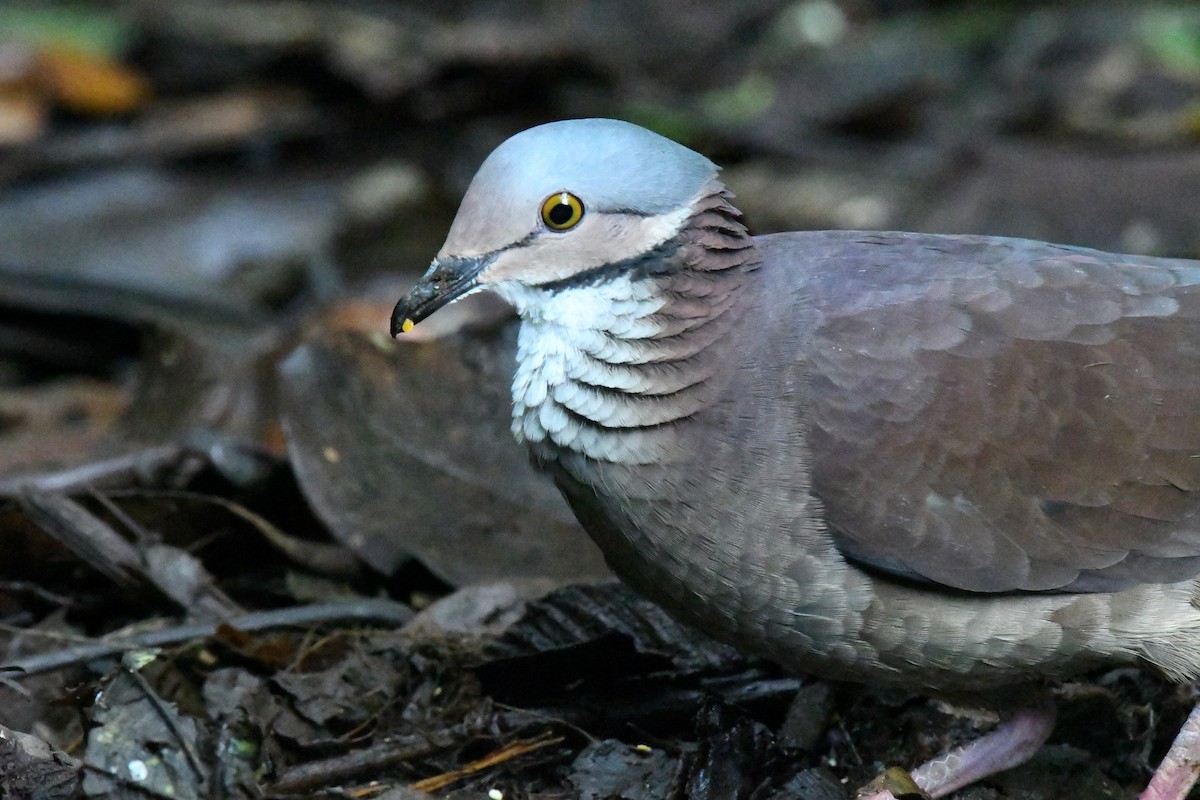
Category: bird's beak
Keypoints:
(447, 280)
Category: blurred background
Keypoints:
(207, 212)
(204, 147)
(292, 164)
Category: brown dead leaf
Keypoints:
(59, 421)
(90, 83)
(347, 695)
(404, 451)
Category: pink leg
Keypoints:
(1013, 742)
(1181, 766)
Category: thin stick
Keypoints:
(168, 719)
(119, 470)
(383, 612)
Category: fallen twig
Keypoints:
(330, 560)
(175, 573)
(122, 470)
(505, 753)
(384, 612)
(369, 760)
(186, 745)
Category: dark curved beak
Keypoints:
(447, 280)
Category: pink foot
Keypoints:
(1181, 766)
(1013, 742)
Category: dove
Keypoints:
(947, 463)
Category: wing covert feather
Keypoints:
(1002, 415)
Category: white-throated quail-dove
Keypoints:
(951, 463)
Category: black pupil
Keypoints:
(561, 214)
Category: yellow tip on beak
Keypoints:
(406, 326)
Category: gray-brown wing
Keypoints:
(999, 415)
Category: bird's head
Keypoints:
(556, 202)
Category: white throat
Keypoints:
(591, 377)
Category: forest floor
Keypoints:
(252, 547)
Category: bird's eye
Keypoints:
(562, 211)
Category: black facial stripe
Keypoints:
(652, 262)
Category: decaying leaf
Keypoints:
(31, 768)
(141, 740)
(404, 451)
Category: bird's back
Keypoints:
(999, 415)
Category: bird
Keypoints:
(950, 463)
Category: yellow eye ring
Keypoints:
(562, 211)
